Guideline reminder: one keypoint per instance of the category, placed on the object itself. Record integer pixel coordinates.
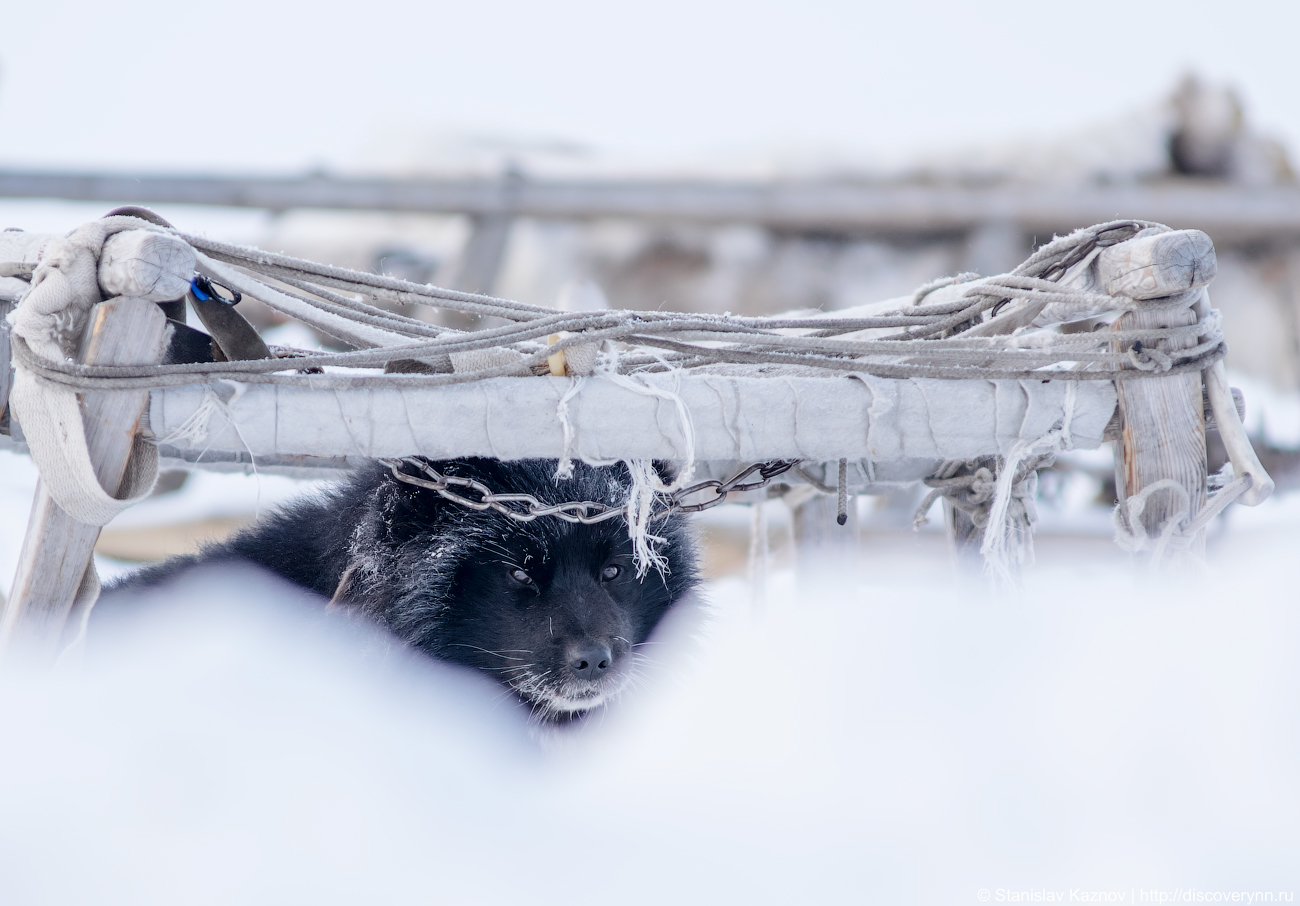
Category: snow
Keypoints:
(894, 732)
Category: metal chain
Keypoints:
(766, 472)
(587, 512)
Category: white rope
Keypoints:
(49, 323)
(197, 428)
(1007, 536)
(338, 326)
(646, 484)
(1178, 533)
(640, 507)
(934, 340)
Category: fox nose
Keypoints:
(590, 661)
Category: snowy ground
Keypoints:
(895, 734)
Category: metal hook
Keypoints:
(205, 289)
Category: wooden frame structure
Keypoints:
(1160, 421)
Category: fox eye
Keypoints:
(610, 572)
(521, 577)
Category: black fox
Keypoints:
(552, 609)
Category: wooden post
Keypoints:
(1163, 430)
(485, 249)
(1162, 419)
(967, 538)
(995, 247)
(57, 549)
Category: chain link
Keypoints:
(587, 512)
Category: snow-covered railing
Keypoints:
(971, 384)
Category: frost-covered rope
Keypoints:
(991, 361)
(920, 339)
(1006, 528)
(1179, 532)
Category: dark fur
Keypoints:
(438, 575)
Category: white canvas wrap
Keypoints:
(734, 418)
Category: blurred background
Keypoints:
(751, 158)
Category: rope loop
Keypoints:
(1149, 358)
(1178, 532)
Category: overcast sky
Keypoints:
(261, 85)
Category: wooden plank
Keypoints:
(1163, 430)
(480, 264)
(57, 548)
(484, 251)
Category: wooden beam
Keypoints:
(1228, 212)
(57, 549)
(484, 251)
(736, 418)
